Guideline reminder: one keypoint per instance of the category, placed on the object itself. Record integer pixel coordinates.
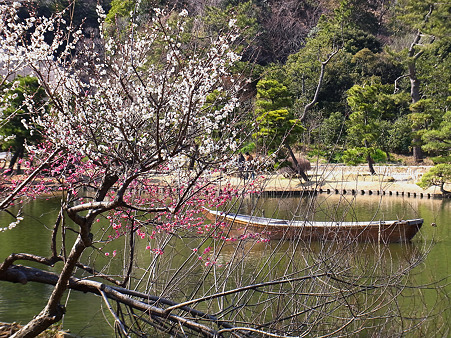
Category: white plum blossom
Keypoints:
(232, 23)
(129, 109)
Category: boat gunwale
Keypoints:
(275, 222)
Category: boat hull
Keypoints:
(383, 232)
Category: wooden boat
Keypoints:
(272, 228)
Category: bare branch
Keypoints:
(113, 313)
(242, 289)
(319, 85)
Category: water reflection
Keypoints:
(85, 313)
(338, 208)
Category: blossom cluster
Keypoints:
(148, 100)
(149, 105)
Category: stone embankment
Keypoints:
(391, 180)
(339, 179)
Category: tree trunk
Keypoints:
(417, 152)
(40, 323)
(194, 157)
(297, 167)
(415, 94)
(53, 311)
(414, 82)
(370, 161)
(17, 154)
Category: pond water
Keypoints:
(85, 314)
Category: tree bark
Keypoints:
(40, 323)
(17, 155)
(415, 95)
(140, 301)
(53, 311)
(297, 167)
(194, 157)
(370, 161)
(415, 86)
(417, 152)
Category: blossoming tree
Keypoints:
(136, 136)
(141, 112)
